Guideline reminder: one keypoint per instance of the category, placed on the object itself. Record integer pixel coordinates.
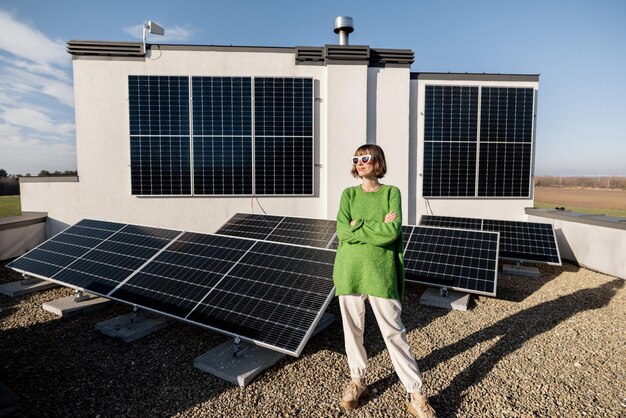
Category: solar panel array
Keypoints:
(520, 241)
(460, 260)
(248, 136)
(477, 151)
(272, 294)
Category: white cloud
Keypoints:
(37, 68)
(23, 154)
(18, 82)
(26, 42)
(36, 120)
(36, 97)
(172, 33)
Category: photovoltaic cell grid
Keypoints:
(454, 258)
(94, 255)
(222, 135)
(269, 293)
(159, 135)
(302, 231)
(450, 138)
(520, 241)
(225, 155)
(462, 161)
(283, 141)
(461, 260)
(506, 132)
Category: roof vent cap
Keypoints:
(344, 26)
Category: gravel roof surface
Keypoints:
(553, 346)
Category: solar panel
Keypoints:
(454, 258)
(506, 132)
(302, 231)
(519, 241)
(460, 260)
(450, 138)
(461, 160)
(159, 135)
(220, 153)
(269, 293)
(94, 255)
(222, 135)
(283, 144)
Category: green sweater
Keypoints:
(370, 255)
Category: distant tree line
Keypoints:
(10, 183)
(607, 182)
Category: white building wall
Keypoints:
(595, 247)
(346, 97)
(496, 208)
(388, 125)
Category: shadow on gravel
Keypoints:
(64, 367)
(513, 332)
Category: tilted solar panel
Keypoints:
(462, 260)
(302, 231)
(454, 258)
(519, 241)
(271, 294)
(94, 255)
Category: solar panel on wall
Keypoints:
(226, 156)
(159, 135)
(506, 132)
(519, 241)
(473, 150)
(269, 294)
(283, 144)
(222, 135)
(450, 135)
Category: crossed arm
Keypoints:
(374, 232)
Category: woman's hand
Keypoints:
(390, 217)
(352, 222)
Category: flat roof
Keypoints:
(474, 76)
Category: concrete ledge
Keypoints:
(25, 219)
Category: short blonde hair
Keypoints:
(380, 165)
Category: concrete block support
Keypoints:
(241, 370)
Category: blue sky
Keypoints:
(578, 48)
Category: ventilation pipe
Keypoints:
(344, 26)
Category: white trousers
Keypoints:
(387, 312)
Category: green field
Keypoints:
(620, 213)
(9, 206)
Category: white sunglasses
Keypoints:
(365, 159)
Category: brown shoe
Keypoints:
(418, 405)
(355, 390)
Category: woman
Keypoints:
(369, 265)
